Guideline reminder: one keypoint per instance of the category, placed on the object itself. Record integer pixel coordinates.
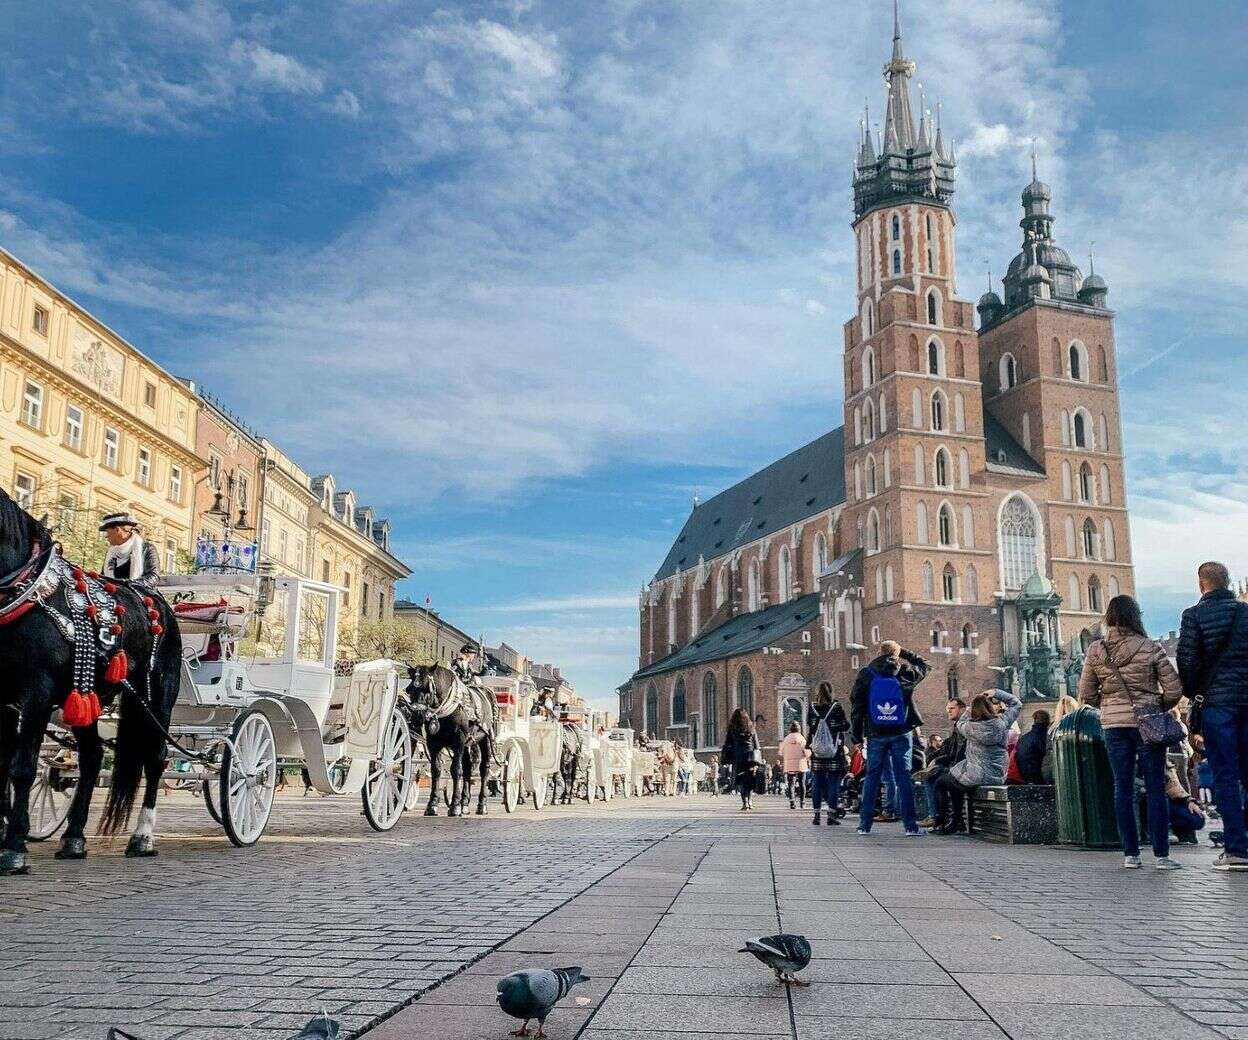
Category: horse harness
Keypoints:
(89, 619)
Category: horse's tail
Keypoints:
(139, 733)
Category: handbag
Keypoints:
(1157, 727)
(1196, 710)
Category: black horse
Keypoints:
(37, 665)
(448, 726)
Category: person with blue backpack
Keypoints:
(882, 713)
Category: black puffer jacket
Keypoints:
(1203, 630)
(738, 751)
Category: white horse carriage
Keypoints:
(617, 753)
(528, 747)
(249, 706)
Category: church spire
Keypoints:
(899, 118)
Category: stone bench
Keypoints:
(1022, 814)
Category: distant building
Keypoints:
(439, 640)
(227, 493)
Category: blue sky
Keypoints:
(529, 275)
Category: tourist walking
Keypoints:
(827, 726)
(1213, 664)
(712, 772)
(1120, 671)
(882, 713)
(986, 730)
(742, 755)
(793, 759)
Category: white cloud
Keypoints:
(271, 68)
(345, 103)
(989, 141)
(568, 603)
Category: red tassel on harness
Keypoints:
(93, 706)
(77, 710)
(118, 667)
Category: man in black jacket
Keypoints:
(951, 752)
(885, 723)
(1032, 747)
(1213, 665)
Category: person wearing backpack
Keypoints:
(742, 755)
(1213, 664)
(827, 726)
(883, 714)
(1124, 674)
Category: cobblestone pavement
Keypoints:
(929, 938)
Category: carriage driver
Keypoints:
(465, 664)
(129, 557)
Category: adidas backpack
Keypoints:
(886, 706)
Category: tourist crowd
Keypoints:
(1176, 739)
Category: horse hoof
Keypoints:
(13, 863)
(431, 812)
(141, 846)
(72, 848)
(480, 810)
(455, 810)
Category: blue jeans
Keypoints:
(1226, 743)
(896, 752)
(890, 782)
(1125, 747)
(825, 786)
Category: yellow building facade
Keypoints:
(89, 425)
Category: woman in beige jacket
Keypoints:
(1121, 670)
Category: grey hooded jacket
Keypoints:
(986, 756)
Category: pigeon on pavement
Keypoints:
(533, 993)
(784, 954)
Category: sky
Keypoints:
(529, 275)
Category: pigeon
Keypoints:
(533, 993)
(784, 954)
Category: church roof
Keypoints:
(1003, 452)
(803, 483)
(741, 635)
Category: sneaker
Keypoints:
(1229, 861)
(1166, 863)
(1131, 862)
(816, 821)
(862, 830)
(917, 833)
(792, 804)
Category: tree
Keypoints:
(393, 638)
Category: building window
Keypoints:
(896, 261)
(745, 690)
(73, 428)
(949, 584)
(968, 637)
(301, 560)
(1087, 487)
(820, 560)
(755, 586)
(929, 582)
(364, 599)
(149, 395)
(951, 684)
(346, 587)
(1019, 538)
(939, 636)
(942, 469)
(32, 406)
(896, 228)
(946, 524)
(1080, 430)
(971, 585)
(24, 491)
(40, 321)
(933, 358)
(171, 557)
(933, 306)
(938, 411)
(873, 532)
(920, 523)
(868, 367)
(1089, 540)
(283, 544)
(786, 574)
(1009, 372)
(175, 483)
(214, 471)
(112, 449)
(1078, 368)
(1094, 595)
(143, 470)
(680, 707)
(710, 711)
(651, 720)
(325, 571)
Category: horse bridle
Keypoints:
(30, 584)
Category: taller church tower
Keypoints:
(914, 423)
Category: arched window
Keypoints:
(857, 425)
(888, 582)
(968, 637)
(820, 562)
(920, 523)
(888, 526)
(1074, 603)
(1080, 430)
(871, 483)
(1065, 428)
(949, 584)
(1105, 496)
(671, 616)
(935, 362)
(920, 467)
(857, 481)
(1102, 369)
(1094, 594)
(933, 307)
(944, 478)
(868, 318)
(868, 419)
(914, 354)
(1070, 537)
(939, 635)
(710, 711)
(959, 413)
(1019, 539)
(868, 367)
(972, 585)
(896, 261)
(1115, 590)
(745, 690)
(680, 710)
(786, 574)
(1067, 493)
(968, 527)
(695, 605)
(873, 531)
(938, 411)
(1078, 361)
(896, 228)
(888, 468)
(755, 588)
(948, 532)
(1009, 372)
(929, 581)
(916, 409)
(959, 359)
(879, 586)
(883, 413)
(652, 710)
(1107, 541)
(952, 686)
(1102, 428)
(1089, 539)
(964, 469)
(721, 586)
(1087, 487)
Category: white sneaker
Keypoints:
(1166, 863)
(1131, 862)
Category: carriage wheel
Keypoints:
(541, 787)
(248, 779)
(389, 778)
(591, 792)
(513, 777)
(50, 797)
(210, 801)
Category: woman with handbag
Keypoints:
(1131, 680)
(742, 753)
